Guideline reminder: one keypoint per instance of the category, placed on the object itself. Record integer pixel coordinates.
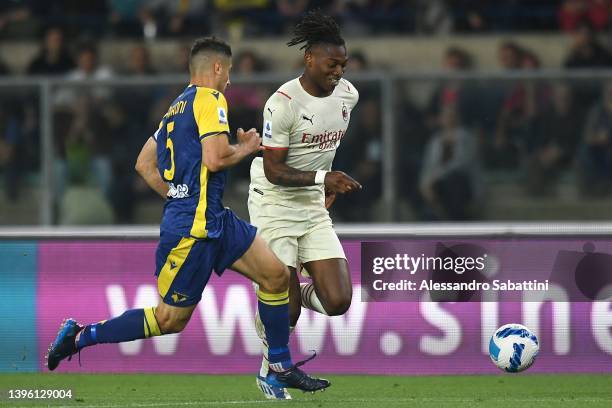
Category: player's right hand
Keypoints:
(340, 182)
(250, 140)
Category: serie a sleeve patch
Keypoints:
(267, 129)
(222, 115)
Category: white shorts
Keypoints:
(295, 234)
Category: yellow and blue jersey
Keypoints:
(194, 206)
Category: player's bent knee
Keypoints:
(275, 280)
(337, 305)
(274, 284)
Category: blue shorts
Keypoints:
(184, 264)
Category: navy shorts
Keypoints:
(184, 264)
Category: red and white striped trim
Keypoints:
(284, 94)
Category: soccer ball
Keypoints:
(513, 348)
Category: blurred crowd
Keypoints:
(162, 18)
(540, 132)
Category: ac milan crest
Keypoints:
(345, 115)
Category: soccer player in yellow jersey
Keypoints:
(185, 162)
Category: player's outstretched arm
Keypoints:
(218, 154)
(278, 172)
(146, 166)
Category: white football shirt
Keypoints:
(309, 127)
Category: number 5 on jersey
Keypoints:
(169, 173)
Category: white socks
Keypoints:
(310, 299)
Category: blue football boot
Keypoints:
(64, 345)
(296, 378)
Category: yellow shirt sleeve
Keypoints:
(210, 112)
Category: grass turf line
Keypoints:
(180, 390)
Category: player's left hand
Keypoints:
(330, 197)
(340, 182)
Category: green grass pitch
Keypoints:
(145, 390)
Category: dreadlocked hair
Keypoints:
(316, 28)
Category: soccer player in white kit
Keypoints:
(291, 187)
